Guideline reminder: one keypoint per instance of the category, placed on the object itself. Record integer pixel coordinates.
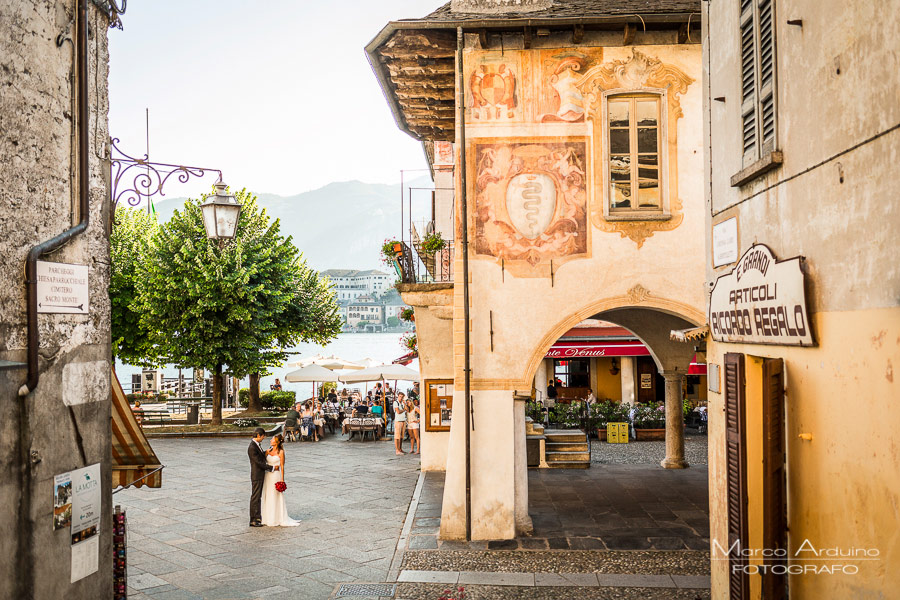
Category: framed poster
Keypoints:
(438, 404)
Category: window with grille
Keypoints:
(758, 110)
(634, 138)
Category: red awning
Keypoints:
(406, 358)
(696, 368)
(596, 349)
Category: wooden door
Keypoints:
(738, 579)
(646, 379)
(774, 587)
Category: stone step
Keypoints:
(557, 435)
(569, 464)
(568, 456)
(567, 446)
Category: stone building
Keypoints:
(803, 121)
(55, 384)
(576, 130)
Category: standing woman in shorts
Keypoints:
(412, 419)
(399, 422)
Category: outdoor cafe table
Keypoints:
(345, 428)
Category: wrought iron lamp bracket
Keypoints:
(136, 179)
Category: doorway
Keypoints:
(650, 384)
(755, 461)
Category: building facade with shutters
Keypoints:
(577, 134)
(803, 135)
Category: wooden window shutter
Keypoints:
(774, 487)
(766, 53)
(738, 579)
(748, 82)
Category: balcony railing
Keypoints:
(417, 266)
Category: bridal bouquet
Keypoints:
(280, 486)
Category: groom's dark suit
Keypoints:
(258, 468)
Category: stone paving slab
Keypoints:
(190, 539)
(681, 562)
(416, 591)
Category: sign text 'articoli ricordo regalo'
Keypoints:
(761, 301)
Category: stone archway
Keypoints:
(650, 319)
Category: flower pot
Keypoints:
(398, 248)
(649, 434)
(601, 434)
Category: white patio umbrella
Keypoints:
(369, 362)
(310, 373)
(381, 373)
(332, 363)
(302, 362)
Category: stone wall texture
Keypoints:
(42, 435)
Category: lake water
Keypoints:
(383, 347)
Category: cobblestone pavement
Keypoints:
(190, 538)
(648, 453)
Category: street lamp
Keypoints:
(220, 213)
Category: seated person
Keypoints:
(361, 409)
(307, 417)
(377, 409)
(138, 412)
(292, 418)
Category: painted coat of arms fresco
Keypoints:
(493, 89)
(530, 199)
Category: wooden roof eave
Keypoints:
(487, 23)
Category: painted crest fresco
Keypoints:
(493, 88)
(530, 199)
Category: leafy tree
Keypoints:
(129, 243)
(213, 305)
(393, 321)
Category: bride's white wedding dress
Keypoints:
(274, 508)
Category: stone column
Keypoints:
(626, 372)
(674, 421)
(524, 525)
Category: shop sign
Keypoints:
(762, 301)
(589, 350)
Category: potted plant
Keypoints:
(432, 243)
(391, 251)
(407, 314)
(650, 421)
(408, 340)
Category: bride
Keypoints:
(274, 508)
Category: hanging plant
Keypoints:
(432, 243)
(408, 341)
(408, 315)
(390, 251)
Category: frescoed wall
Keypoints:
(530, 198)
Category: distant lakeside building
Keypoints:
(349, 284)
(366, 297)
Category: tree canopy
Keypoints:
(234, 305)
(129, 243)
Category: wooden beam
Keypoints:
(682, 33)
(432, 81)
(417, 52)
(630, 30)
(426, 103)
(398, 65)
(527, 34)
(577, 34)
(423, 92)
(483, 38)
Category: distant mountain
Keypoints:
(339, 226)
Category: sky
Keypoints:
(278, 95)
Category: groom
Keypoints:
(258, 468)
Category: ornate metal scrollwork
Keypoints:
(136, 179)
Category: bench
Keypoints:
(156, 417)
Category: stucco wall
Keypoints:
(38, 433)
(837, 87)
(528, 304)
